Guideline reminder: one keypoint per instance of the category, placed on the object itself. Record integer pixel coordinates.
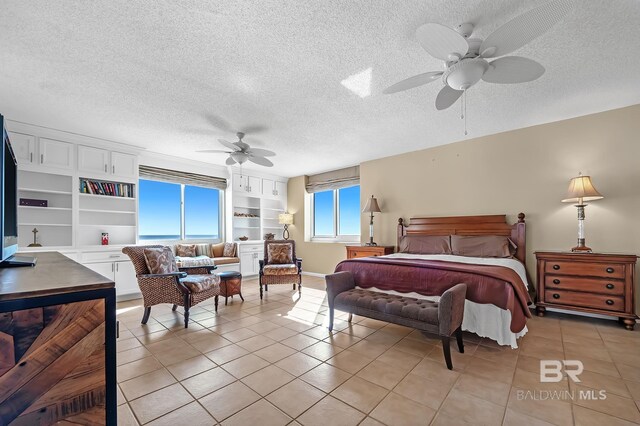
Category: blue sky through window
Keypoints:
(159, 210)
(201, 211)
(349, 213)
(323, 213)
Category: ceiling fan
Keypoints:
(465, 58)
(239, 152)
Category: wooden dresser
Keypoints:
(368, 251)
(587, 282)
(57, 344)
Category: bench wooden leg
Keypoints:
(350, 318)
(459, 339)
(447, 352)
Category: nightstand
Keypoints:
(368, 251)
(587, 282)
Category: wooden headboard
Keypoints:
(468, 225)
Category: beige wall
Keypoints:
(525, 170)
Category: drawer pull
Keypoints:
(556, 281)
(609, 270)
(610, 286)
(609, 302)
(556, 267)
(556, 296)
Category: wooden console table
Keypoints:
(57, 344)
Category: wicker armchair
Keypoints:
(280, 273)
(183, 288)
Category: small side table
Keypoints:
(230, 284)
(368, 251)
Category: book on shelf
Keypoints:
(112, 189)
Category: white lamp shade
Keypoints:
(580, 190)
(285, 219)
(371, 206)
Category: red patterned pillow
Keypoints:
(160, 260)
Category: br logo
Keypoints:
(551, 370)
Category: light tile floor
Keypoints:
(273, 362)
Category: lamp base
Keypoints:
(371, 244)
(581, 249)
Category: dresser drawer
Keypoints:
(585, 300)
(590, 285)
(354, 253)
(585, 269)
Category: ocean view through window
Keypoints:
(172, 211)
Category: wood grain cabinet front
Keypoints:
(368, 251)
(587, 282)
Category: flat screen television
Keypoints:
(9, 205)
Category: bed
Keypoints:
(498, 292)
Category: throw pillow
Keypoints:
(186, 250)
(229, 250)
(217, 250)
(160, 260)
(280, 253)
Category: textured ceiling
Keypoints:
(156, 73)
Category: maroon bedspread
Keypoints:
(497, 285)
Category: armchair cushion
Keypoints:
(200, 283)
(280, 269)
(279, 253)
(229, 250)
(186, 250)
(160, 260)
(225, 260)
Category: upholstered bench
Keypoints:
(443, 318)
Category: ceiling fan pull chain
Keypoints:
(462, 107)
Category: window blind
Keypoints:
(186, 178)
(335, 179)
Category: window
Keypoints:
(173, 211)
(336, 214)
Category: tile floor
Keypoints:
(275, 363)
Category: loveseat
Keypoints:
(223, 255)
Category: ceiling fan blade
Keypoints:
(261, 161)
(256, 128)
(440, 41)
(447, 97)
(212, 151)
(261, 152)
(230, 161)
(513, 69)
(411, 82)
(229, 145)
(524, 28)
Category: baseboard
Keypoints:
(314, 274)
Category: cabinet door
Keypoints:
(240, 183)
(254, 185)
(268, 188)
(56, 154)
(93, 160)
(24, 147)
(124, 165)
(281, 189)
(125, 278)
(106, 269)
(246, 264)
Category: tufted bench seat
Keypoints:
(443, 318)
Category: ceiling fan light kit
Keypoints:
(465, 58)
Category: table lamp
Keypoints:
(285, 219)
(580, 191)
(371, 207)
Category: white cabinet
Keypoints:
(115, 266)
(247, 185)
(24, 147)
(250, 254)
(93, 160)
(97, 161)
(273, 188)
(124, 165)
(56, 154)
